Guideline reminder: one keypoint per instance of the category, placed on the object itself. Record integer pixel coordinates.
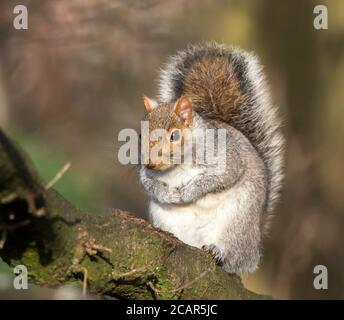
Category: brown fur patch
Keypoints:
(213, 88)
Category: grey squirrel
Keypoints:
(210, 86)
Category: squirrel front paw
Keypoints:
(164, 194)
(215, 252)
(187, 194)
(174, 195)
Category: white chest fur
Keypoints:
(202, 222)
(180, 175)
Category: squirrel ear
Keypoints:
(150, 104)
(183, 108)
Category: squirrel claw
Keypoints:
(215, 252)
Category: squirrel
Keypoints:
(210, 86)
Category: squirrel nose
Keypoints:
(150, 165)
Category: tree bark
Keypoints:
(107, 253)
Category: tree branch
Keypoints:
(110, 253)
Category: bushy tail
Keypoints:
(229, 85)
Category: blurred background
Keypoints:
(76, 77)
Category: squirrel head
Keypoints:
(170, 121)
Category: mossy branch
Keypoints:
(107, 253)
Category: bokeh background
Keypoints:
(76, 77)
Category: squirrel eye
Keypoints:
(175, 135)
